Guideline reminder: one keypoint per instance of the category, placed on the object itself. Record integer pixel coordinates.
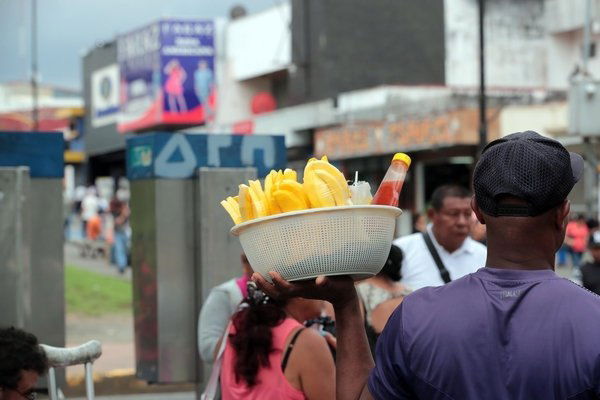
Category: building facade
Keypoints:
(358, 81)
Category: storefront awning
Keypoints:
(451, 128)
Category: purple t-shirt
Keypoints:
(493, 334)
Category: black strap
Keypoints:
(436, 257)
(289, 349)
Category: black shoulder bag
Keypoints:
(436, 257)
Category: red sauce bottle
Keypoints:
(388, 193)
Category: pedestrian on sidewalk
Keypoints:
(576, 240)
(90, 207)
(120, 214)
(511, 330)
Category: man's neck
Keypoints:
(504, 258)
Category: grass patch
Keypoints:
(94, 294)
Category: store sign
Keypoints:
(105, 96)
(459, 127)
(178, 156)
(167, 75)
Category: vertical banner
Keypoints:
(139, 62)
(167, 75)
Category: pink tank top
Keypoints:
(272, 383)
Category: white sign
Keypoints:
(105, 95)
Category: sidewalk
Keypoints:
(115, 332)
(99, 265)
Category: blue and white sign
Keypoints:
(178, 156)
(167, 75)
(105, 95)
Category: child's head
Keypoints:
(594, 246)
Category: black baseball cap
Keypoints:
(528, 166)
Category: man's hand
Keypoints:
(353, 357)
(338, 290)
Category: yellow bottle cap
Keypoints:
(402, 157)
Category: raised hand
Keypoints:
(338, 290)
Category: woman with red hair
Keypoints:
(270, 355)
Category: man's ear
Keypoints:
(477, 211)
(430, 213)
(562, 214)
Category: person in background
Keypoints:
(89, 207)
(381, 294)
(419, 223)
(94, 227)
(120, 213)
(593, 225)
(451, 218)
(22, 362)
(576, 239)
(590, 272)
(270, 355)
(222, 302)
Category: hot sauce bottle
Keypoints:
(388, 193)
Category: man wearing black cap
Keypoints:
(511, 330)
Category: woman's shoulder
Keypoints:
(312, 341)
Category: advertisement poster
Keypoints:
(105, 95)
(167, 75)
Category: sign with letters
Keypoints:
(178, 155)
(167, 75)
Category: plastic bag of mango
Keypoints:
(323, 186)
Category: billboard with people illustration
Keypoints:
(167, 75)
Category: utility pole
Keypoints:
(586, 36)
(482, 99)
(591, 180)
(34, 66)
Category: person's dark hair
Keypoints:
(253, 340)
(19, 350)
(393, 264)
(592, 223)
(444, 191)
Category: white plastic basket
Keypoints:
(350, 240)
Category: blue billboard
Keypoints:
(167, 73)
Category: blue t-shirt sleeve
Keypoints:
(390, 377)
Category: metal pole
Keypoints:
(89, 381)
(586, 36)
(34, 66)
(52, 383)
(482, 99)
(591, 180)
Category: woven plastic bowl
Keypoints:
(352, 240)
